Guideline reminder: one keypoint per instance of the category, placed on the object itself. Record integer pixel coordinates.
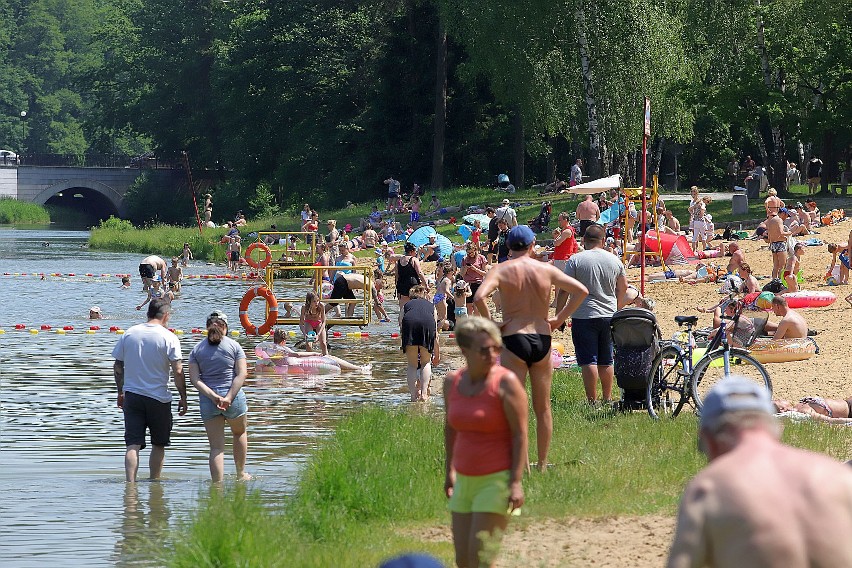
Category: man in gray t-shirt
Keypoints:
(603, 274)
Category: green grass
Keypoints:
(14, 212)
(376, 484)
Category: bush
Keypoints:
(14, 212)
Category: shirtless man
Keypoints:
(175, 275)
(344, 285)
(791, 269)
(791, 326)
(777, 235)
(670, 224)
(773, 203)
(524, 285)
(737, 258)
(149, 266)
(588, 213)
(760, 502)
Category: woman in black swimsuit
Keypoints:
(408, 274)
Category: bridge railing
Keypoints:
(96, 161)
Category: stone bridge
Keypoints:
(99, 191)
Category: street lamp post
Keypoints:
(23, 132)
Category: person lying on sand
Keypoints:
(838, 411)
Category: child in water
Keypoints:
(443, 291)
(379, 298)
(312, 322)
(186, 256)
(175, 275)
(125, 283)
(156, 292)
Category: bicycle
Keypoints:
(674, 380)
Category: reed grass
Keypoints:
(372, 488)
(14, 212)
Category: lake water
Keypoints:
(63, 499)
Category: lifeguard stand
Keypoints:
(635, 194)
(293, 260)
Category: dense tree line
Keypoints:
(327, 98)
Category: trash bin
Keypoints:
(739, 204)
(753, 187)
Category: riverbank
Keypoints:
(14, 212)
(374, 489)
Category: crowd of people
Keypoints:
(536, 290)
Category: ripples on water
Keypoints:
(63, 499)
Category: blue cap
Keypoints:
(734, 394)
(412, 561)
(520, 237)
(784, 210)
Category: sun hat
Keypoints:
(734, 394)
(520, 237)
(433, 236)
(506, 202)
(95, 309)
(219, 315)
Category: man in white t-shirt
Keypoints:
(143, 356)
(506, 212)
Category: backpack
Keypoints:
(775, 286)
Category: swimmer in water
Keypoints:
(280, 340)
(156, 292)
(175, 275)
(186, 255)
(95, 313)
(125, 283)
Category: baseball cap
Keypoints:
(784, 210)
(734, 394)
(520, 237)
(433, 236)
(506, 202)
(219, 315)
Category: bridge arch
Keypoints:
(110, 193)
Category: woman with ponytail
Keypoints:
(217, 368)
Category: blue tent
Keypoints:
(483, 219)
(421, 236)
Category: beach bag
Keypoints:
(775, 286)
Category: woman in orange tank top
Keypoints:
(485, 436)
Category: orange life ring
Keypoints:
(266, 260)
(272, 310)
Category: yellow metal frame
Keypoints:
(365, 302)
(635, 194)
(282, 250)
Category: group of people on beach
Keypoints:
(581, 278)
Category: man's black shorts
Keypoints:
(141, 412)
(340, 290)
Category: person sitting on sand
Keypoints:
(279, 337)
(740, 335)
(750, 283)
(819, 408)
(737, 257)
(839, 252)
(791, 326)
(791, 222)
(791, 270)
(813, 211)
(670, 224)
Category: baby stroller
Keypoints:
(540, 222)
(636, 337)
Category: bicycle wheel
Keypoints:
(667, 389)
(711, 369)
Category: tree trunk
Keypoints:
(440, 120)
(777, 167)
(551, 159)
(658, 156)
(761, 146)
(596, 143)
(518, 147)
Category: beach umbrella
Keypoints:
(421, 236)
(597, 186)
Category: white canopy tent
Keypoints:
(597, 186)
